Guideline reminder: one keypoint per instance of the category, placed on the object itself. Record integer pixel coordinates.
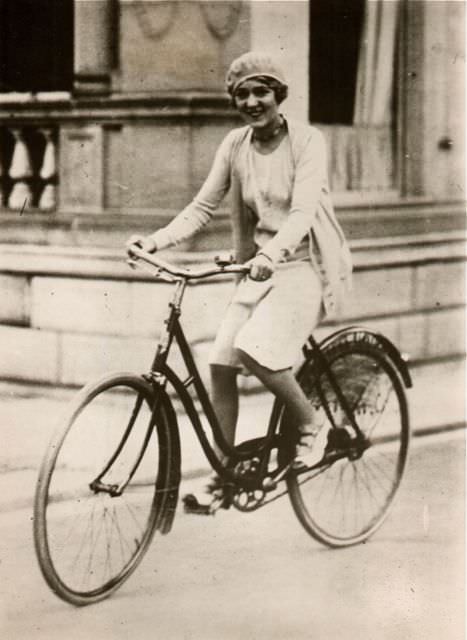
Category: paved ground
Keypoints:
(261, 577)
(256, 577)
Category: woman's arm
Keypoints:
(309, 181)
(200, 210)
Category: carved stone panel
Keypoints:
(181, 45)
(81, 166)
(157, 17)
(221, 17)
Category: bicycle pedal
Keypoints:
(192, 505)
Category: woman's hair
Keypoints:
(280, 90)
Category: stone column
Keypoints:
(93, 46)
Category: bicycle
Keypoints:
(110, 477)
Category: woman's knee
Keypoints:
(248, 360)
(244, 358)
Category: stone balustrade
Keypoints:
(29, 172)
(28, 168)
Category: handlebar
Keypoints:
(178, 272)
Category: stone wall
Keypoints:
(70, 315)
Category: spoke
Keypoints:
(365, 472)
(339, 491)
(379, 469)
(356, 492)
(108, 555)
(339, 508)
(362, 474)
(380, 412)
(88, 571)
(135, 520)
(386, 491)
(122, 539)
(379, 476)
(324, 485)
(337, 513)
(389, 458)
(87, 533)
(72, 528)
(351, 499)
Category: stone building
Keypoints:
(111, 110)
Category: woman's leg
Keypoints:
(313, 439)
(285, 387)
(224, 396)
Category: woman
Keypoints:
(284, 225)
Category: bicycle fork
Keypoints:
(116, 490)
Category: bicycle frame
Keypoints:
(161, 374)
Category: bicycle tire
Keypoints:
(105, 537)
(344, 502)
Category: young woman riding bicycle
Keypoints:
(285, 227)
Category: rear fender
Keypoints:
(360, 334)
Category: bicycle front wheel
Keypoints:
(97, 502)
(347, 499)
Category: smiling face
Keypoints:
(257, 104)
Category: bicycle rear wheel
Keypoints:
(346, 500)
(89, 538)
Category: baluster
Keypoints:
(48, 172)
(20, 171)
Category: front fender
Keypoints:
(169, 476)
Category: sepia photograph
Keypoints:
(232, 320)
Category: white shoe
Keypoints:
(311, 448)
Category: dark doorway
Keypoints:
(335, 32)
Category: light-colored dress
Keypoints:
(271, 320)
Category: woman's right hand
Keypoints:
(146, 243)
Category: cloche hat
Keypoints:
(250, 65)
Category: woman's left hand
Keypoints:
(261, 267)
